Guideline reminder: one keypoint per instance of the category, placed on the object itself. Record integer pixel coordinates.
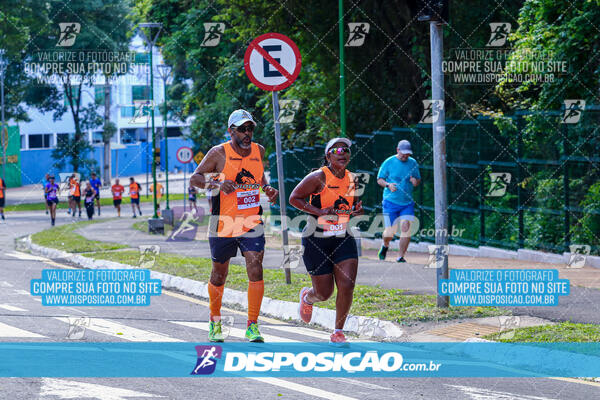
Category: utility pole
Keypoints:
(342, 83)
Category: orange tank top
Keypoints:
(339, 193)
(1, 188)
(239, 211)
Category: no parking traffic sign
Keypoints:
(184, 155)
(272, 61)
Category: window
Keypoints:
(63, 138)
(41, 141)
(97, 137)
(141, 58)
(75, 94)
(127, 111)
(99, 94)
(128, 136)
(174, 131)
(140, 92)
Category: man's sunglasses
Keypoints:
(339, 150)
(243, 129)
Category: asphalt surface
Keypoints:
(179, 318)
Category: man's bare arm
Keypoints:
(207, 165)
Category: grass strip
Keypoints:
(561, 332)
(65, 237)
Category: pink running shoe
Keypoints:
(338, 339)
(304, 309)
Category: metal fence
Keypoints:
(528, 181)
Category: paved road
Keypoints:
(24, 319)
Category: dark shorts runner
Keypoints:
(1, 202)
(51, 201)
(321, 253)
(77, 199)
(117, 202)
(135, 201)
(224, 248)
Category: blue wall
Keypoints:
(174, 145)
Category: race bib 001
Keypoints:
(248, 199)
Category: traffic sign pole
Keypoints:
(280, 179)
(275, 72)
(184, 155)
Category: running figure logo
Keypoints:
(292, 253)
(148, 254)
(500, 32)
(77, 327)
(508, 326)
(141, 113)
(431, 111)
(186, 226)
(207, 359)
(358, 186)
(436, 255)
(68, 33)
(499, 182)
(212, 33)
(358, 33)
(573, 110)
(287, 110)
(579, 253)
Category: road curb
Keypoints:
(365, 327)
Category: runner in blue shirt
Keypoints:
(51, 192)
(399, 174)
(96, 183)
(45, 181)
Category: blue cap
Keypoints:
(404, 147)
(239, 117)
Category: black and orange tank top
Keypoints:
(339, 193)
(239, 211)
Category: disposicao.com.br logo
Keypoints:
(303, 362)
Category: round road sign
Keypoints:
(272, 61)
(184, 155)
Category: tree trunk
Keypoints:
(107, 151)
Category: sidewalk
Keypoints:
(580, 306)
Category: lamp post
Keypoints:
(150, 38)
(3, 64)
(164, 71)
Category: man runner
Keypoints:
(74, 194)
(236, 221)
(134, 194)
(2, 197)
(96, 183)
(117, 192)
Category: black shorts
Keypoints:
(193, 198)
(117, 202)
(135, 201)
(223, 248)
(52, 201)
(97, 196)
(77, 199)
(1, 202)
(321, 253)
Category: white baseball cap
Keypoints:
(333, 141)
(240, 117)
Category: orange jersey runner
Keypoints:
(117, 191)
(239, 211)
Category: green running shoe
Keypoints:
(215, 334)
(253, 335)
(382, 252)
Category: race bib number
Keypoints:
(334, 229)
(248, 199)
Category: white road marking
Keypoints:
(5, 284)
(309, 390)
(299, 330)
(8, 331)
(64, 389)
(124, 332)
(25, 256)
(235, 332)
(11, 308)
(363, 384)
(486, 394)
(23, 292)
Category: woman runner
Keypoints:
(89, 196)
(330, 253)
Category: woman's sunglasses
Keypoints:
(339, 150)
(244, 129)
